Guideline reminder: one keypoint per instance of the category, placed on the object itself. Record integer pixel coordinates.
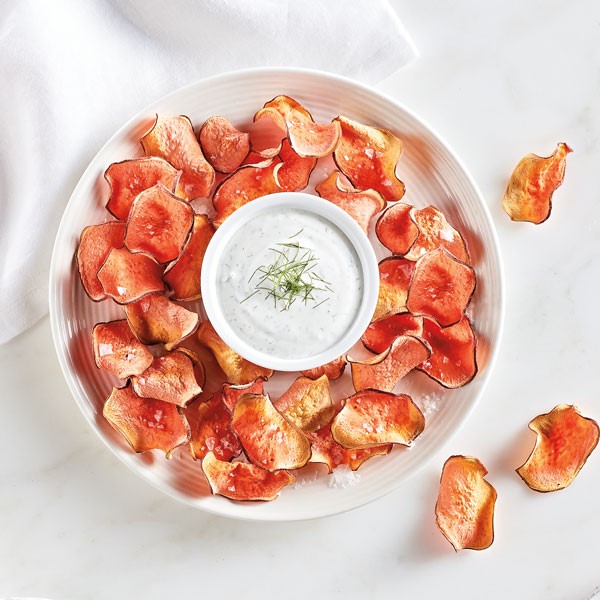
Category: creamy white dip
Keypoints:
(304, 329)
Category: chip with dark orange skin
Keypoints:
(307, 403)
(130, 177)
(380, 334)
(243, 482)
(464, 510)
(396, 229)
(306, 137)
(237, 369)
(267, 133)
(94, 246)
(159, 224)
(224, 146)
(385, 370)
(199, 371)
(293, 173)
(118, 351)
(156, 320)
(173, 139)
(170, 378)
(333, 370)
(145, 423)
(127, 277)
(565, 440)
(441, 287)
(362, 206)
(528, 196)
(452, 362)
(394, 279)
(269, 440)
(373, 417)
(231, 393)
(367, 156)
(183, 275)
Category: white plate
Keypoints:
(432, 174)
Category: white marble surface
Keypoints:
(496, 83)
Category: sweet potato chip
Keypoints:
(361, 206)
(169, 378)
(528, 196)
(464, 510)
(145, 423)
(372, 417)
(293, 173)
(380, 334)
(267, 133)
(385, 370)
(231, 393)
(396, 229)
(94, 246)
(127, 277)
(155, 320)
(118, 351)
(237, 369)
(565, 439)
(333, 370)
(452, 362)
(441, 287)
(367, 156)
(199, 371)
(130, 177)
(159, 224)
(224, 146)
(183, 275)
(394, 279)
(307, 403)
(242, 481)
(268, 439)
(173, 139)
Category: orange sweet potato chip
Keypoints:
(224, 146)
(267, 133)
(396, 229)
(385, 370)
(452, 362)
(231, 393)
(465, 506)
(367, 156)
(293, 173)
(528, 196)
(394, 280)
(441, 287)
(145, 423)
(372, 417)
(380, 334)
(173, 139)
(565, 439)
(199, 371)
(130, 177)
(183, 275)
(237, 369)
(269, 440)
(159, 224)
(94, 246)
(127, 277)
(362, 206)
(242, 481)
(118, 351)
(333, 370)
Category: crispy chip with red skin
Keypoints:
(306, 137)
(441, 287)
(385, 370)
(159, 224)
(94, 246)
(224, 146)
(183, 275)
(130, 177)
(293, 173)
(267, 133)
(452, 362)
(361, 206)
(565, 439)
(173, 139)
(231, 393)
(269, 440)
(394, 279)
(528, 196)
(333, 370)
(156, 320)
(307, 403)
(367, 156)
(237, 369)
(396, 229)
(118, 351)
(242, 481)
(145, 423)
(380, 334)
(436, 232)
(464, 510)
(127, 277)
(373, 417)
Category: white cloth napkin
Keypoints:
(72, 72)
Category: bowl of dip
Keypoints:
(290, 281)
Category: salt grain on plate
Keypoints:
(429, 404)
(343, 477)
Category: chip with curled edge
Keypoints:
(334, 369)
(224, 146)
(380, 334)
(396, 229)
(394, 280)
(231, 392)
